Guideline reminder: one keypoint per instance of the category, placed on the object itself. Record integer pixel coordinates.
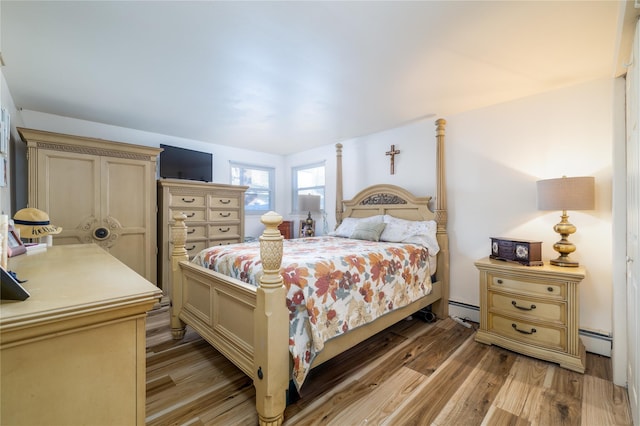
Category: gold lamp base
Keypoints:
(564, 246)
(308, 229)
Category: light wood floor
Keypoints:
(410, 374)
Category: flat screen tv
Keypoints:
(181, 163)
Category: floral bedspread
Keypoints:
(333, 285)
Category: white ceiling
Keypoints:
(281, 77)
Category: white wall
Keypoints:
(222, 155)
(6, 101)
(494, 157)
(365, 163)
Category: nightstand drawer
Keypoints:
(192, 215)
(530, 308)
(181, 200)
(525, 332)
(546, 289)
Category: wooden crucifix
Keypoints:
(393, 153)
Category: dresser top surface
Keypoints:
(546, 269)
(185, 183)
(73, 278)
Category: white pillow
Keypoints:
(411, 231)
(349, 224)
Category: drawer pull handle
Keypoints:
(189, 201)
(550, 289)
(499, 281)
(191, 231)
(225, 201)
(515, 327)
(190, 248)
(224, 230)
(522, 308)
(191, 214)
(225, 214)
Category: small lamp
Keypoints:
(309, 203)
(575, 193)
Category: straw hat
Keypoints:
(34, 223)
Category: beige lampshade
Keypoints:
(309, 203)
(567, 193)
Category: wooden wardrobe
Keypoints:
(98, 191)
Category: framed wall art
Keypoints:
(5, 130)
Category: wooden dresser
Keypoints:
(99, 192)
(533, 310)
(215, 216)
(74, 352)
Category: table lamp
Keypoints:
(574, 193)
(309, 203)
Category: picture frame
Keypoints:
(302, 232)
(15, 246)
(5, 130)
(3, 170)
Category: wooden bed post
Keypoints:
(441, 308)
(338, 184)
(178, 254)
(271, 328)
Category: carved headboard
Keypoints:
(388, 199)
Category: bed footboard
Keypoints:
(248, 325)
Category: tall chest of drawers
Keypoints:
(533, 310)
(215, 216)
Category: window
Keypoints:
(260, 180)
(308, 179)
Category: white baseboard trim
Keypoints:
(594, 342)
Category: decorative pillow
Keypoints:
(368, 231)
(411, 231)
(349, 224)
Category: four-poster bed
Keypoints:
(250, 324)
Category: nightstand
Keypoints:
(286, 229)
(533, 310)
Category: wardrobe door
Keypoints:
(68, 189)
(129, 213)
(100, 192)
